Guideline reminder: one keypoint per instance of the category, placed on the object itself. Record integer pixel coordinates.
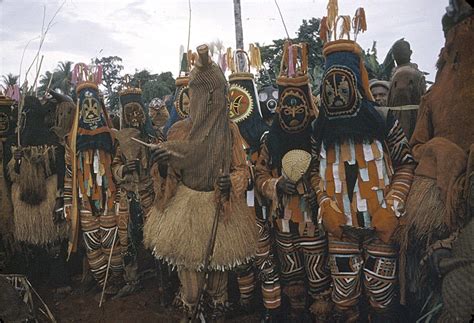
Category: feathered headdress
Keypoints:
(333, 21)
(86, 75)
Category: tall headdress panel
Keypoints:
(346, 104)
(93, 130)
(295, 104)
(181, 95)
(244, 106)
(291, 127)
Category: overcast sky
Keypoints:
(148, 33)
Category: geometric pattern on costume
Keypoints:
(373, 262)
(303, 258)
(340, 86)
(241, 103)
(98, 234)
(375, 171)
(90, 193)
(266, 265)
(181, 102)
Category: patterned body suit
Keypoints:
(90, 193)
(264, 258)
(364, 169)
(301, 247)
(136, 190)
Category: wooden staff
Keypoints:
(108, 267)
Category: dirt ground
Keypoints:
(144, 306)
(81, 305)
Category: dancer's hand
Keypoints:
(160, 155)
(286, 186)
(224, 184)
(18, 154)
(58, 212)
(130, 167)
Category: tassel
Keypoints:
(284, 62)
(221, 61)
(255, 58)
(346, 27)
(98, 75)
(359, 23)
(259, 57)
(323, 29)
(304, 58)
(79, 73)
(333, 11)
(230, 60)
(291, 64)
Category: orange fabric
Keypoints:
(332, 219)
(385, 222)
(294, 206)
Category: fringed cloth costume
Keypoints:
(135, 190)
(90, 193)
(244, 110)
(37, 181)
(364, 173)
(441, 200)
(301, 247)
(7, 132)
(178, 228)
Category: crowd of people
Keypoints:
(350, 206)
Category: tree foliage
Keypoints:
(153, 85)
(60, 79)
(111, 79)
(9, 80)
(308, 32)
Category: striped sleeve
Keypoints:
(314, 173)
(402, 161)
(118, 164)
(239, 173)
(264, 180)
(68, 177)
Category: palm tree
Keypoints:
(9, 80)
(61, 78)
(239, 34)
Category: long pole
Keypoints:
(239, 34)
(108, 268)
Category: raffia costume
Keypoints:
(90, 192)
(301, 247)
(442, 199)
(135, 190)
(7, 130)
(178, 228)
(365, 172)
(37, 182)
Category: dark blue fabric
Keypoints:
(102, 140)
(174, 117)
(365, 124)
